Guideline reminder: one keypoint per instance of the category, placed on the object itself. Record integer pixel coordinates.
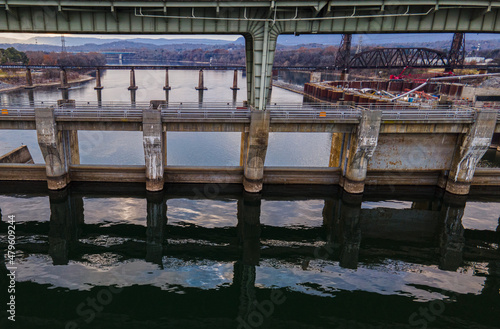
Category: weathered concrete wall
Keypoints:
(362, 147)
(18, 155)
(255, 158)
(471, 92)
(53, 148)
(413, 151)
(469, 151)
(153, 149)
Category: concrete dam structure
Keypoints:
(369, 146)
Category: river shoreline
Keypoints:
(83, 78)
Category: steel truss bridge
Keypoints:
(375, 61)
(400, 57)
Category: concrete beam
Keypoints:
(362, 147)
(256, 151)
(54, 150)
(39, 16)
(471, 149)
(153, 149)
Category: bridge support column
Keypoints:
(64, 80)
(362, 147)
(29, 79)
(132, 86)
(255, 153)
(153, 149)
(201, 84)
(98, 80)
(472, 148)
(235, 81)
(260, 50)
(55, 147)
(167, 86)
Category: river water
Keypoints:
(212, 256)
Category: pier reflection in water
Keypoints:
(190, 259)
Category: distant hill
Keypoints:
(439, 41)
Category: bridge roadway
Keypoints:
(383, 145)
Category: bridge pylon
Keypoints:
(344, 55)
(456, 56)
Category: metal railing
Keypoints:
(100, 113)
(229, 111)
(198, 111)
(313, 112)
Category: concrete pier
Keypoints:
(29, 79)
(54, 146)
(469, 151)
(362, 146)
(256, 149)
(98, 85)
(201, 84)
(153, 140)
(235, 81)
(133, 85)
(64, 80)
(167, 85)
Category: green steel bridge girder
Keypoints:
(238, 17)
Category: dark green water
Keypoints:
(211, 256)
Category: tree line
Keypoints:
(66, 59)
(236, 56)
(13, 56)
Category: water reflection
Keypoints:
(380, 254)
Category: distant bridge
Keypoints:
(357, 64)
(400, 58)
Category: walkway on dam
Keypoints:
(228, 111)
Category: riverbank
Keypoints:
(82, 78)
